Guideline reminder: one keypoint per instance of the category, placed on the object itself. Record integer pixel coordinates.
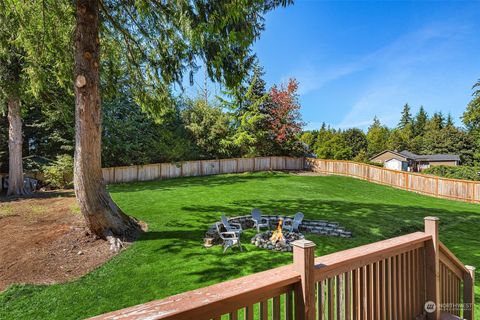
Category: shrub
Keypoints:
(459, 172)
(59, 175)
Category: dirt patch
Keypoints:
(44, 240)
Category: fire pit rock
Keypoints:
(319, 227)
(262, 240)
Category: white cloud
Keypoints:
(397, 75)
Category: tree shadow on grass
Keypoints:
(359, 217)
(369, 222)
(372, 222)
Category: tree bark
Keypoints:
(103, 216)
(15, 165)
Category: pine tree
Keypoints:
(12, 78)
(406, 118)
(471, 119)
(420, 122)
(437, 122)
(449, 121)
(160, 43)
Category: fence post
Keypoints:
(304, 263)
(469, 293)
(432, 266)
(472, 184)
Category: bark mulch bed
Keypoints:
(44, 240)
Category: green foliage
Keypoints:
(179, 211)
(459, 172)
(130, 137)
(362, 156)
(471, 119)
(333, 145)
(377, 137)
(208, 127)
(309, 138)
(264, 123)
(401, 139)
(419, 134)
(340, 145)
(420, 122)
(162, 42)
(250, 129)
(356, 140)
(448, 140)
(406, 118)
(59, 175)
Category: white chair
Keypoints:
(231, 226)
(259, 221)
(292, 225)
(230, 238)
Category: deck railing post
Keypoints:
(304, 263)
(469, 293)
(432, 267)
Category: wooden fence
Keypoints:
(455, 189)
(199, 168)
(390, 279)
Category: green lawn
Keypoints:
(170, 258)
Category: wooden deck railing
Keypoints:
(455, 189)
(390, 279)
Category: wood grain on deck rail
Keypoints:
(213, 301)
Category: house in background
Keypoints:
(408, 161)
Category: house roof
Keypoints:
(394, 152)
(439, 157)
(430, 157)
(407, 155)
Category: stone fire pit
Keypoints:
(317, 227)
(262, 240)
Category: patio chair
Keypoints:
(231, 226)
(258, 220)
(229, 238)
(292, 225)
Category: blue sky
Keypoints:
(358, 59)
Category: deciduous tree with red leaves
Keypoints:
(284, 120)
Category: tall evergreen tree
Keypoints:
(36, 62)
(471, 119)
(249, 115)
(12, 77)
(162, 41)
(406, 118)
(420, 121)
(208, 128)
(449, 121)
(436, 122)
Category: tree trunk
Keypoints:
(103, 216)
(15, 165)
